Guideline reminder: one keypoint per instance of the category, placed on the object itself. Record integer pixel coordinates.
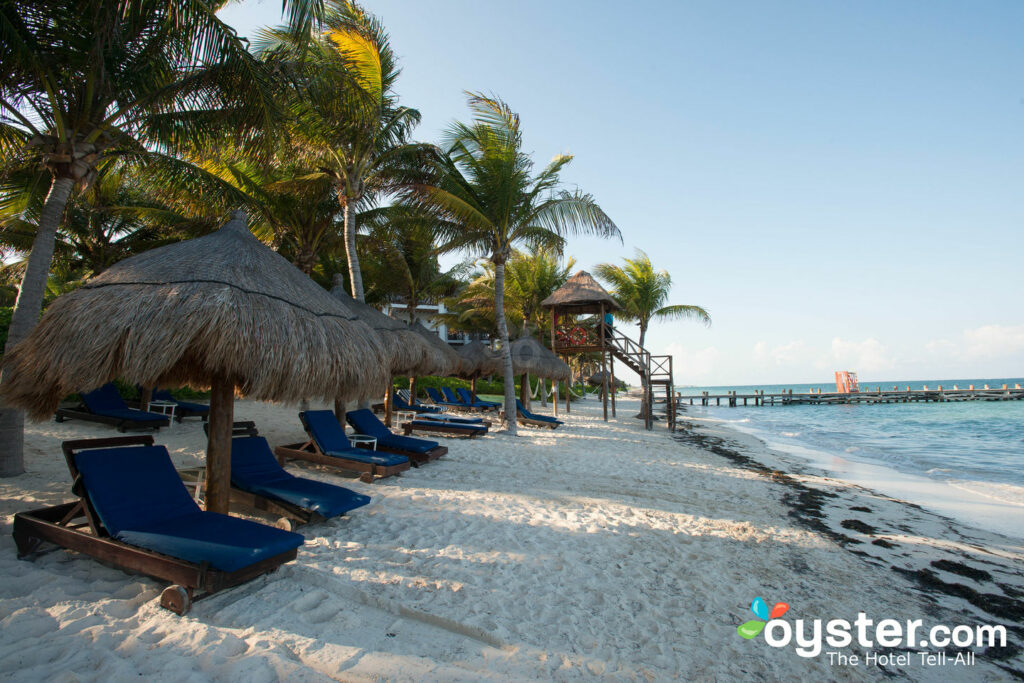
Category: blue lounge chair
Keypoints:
(401, 404)
(328, 445)
(524, 416)
(468, 399)
(142, 518)
(417, 450)
(443, 424)
(185, 408)
(440, 400)
(106, 405)
(269, 487)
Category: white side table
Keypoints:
(401, 416)
(357, 439)
(164, 408)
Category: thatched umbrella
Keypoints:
(220, 311)
(530, 357)
(446, 362)
(408, 351)
(478, 360)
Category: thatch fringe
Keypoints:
(478, 360)
(219, 305)
(406, 350)
(445, 363)
(530, 356)
(581, 294)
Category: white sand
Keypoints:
(594, 551)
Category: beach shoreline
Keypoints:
(594, 551)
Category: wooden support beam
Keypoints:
(218, 449)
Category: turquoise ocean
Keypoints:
(976, 446)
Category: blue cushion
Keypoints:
(323, 427)
(165, 395)
(106, 401)
(450, 395)
(533, 416)
(436, 397)
(141, 500)
(452, 418)
(370, 457)
(442, 423)
(227, 543)
(255, 469)
(106, 397)
(400, 404)
(468, 398)
(365, 422)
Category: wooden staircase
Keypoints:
(654, 371)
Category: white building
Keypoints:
(426, 314)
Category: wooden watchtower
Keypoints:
(582, 295)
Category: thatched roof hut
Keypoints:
(406, 350)
(445, 363)
(581, 294)
(530, 356)
(478, 360)
(223, 304)
(222, 311)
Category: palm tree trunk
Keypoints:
(354, 273)
(506, 349)
(27, 308)
(645, 388)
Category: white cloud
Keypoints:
(867, 356)
(693, 365)
(994, 341)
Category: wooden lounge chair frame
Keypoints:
(415, 457)
(76, 526)
(309, 451)
(443, 428)
(80, 412)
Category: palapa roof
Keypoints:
(407, 351)
(530, 356)
(219, 305)
(448, 362)
(581, 294)
(478, 360)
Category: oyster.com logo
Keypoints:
(750, 629)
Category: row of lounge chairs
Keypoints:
(106, 406)
(135, 511)
(446, 398)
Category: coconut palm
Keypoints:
(486, 190)
(83, 81)
(643, 292)
(346, 120)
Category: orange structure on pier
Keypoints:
(846, 382)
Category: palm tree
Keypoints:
(84, 81)
(643, 293)
(486, 191)
(347, 123)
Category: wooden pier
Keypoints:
(939, 394)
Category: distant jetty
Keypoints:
(787, 397)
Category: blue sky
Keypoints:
(838, 183)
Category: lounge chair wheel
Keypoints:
(58, 418)
(176, 599)
(286, 524)
(366, 478)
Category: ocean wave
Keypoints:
(791, 435)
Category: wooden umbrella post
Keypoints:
(218, 449)
(524, 390)
(389, 393)
(554, 388)
(604, 370)
(611, 371)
